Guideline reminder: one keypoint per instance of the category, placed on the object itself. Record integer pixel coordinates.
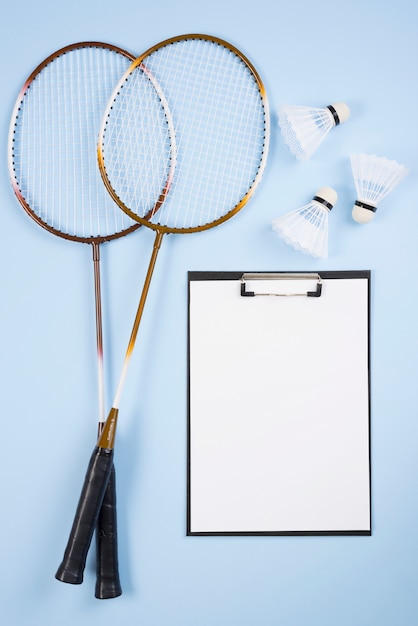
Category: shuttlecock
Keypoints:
(306, 229)
(374, 178)
(304, 128)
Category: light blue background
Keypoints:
(364, 53)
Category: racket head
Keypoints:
(52, 143)
(216, 111)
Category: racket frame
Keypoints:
(162, 228)
(50, 59)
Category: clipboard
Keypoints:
(279, 403)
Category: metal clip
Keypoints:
(282, 276)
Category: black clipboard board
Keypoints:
(279, 403)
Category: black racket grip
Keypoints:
(107, 566)
(72, 567)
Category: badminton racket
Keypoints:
(54, 174)
(221, 120)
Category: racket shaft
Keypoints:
(107, 568)
(137, 321)
(107, 573)
(99, 333)
(72, 566)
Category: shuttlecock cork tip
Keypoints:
(341, 112)
(327, 196)
(363, 213)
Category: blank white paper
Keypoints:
(279, 409)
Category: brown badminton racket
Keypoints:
(54, 174)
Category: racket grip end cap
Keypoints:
(105, 591)
(72, 578)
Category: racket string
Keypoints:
(210, 99)
(144, 141)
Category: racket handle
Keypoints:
(107, 581)
(72, 567)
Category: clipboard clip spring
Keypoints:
(282, 276)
